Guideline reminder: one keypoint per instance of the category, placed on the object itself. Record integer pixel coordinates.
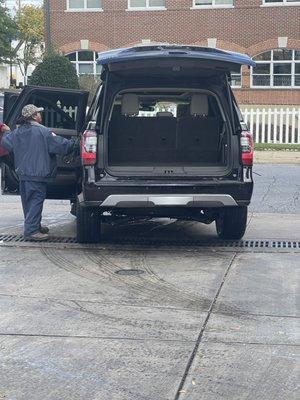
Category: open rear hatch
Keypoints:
(171, 112)
(163, 60)
(168, 132)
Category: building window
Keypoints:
(278, 68)
(236, 79)
(281, 2)
(212, 3)
(84, 5)
(146, 5)
(85, 62)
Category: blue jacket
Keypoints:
(35, 148)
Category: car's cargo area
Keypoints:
(176, 129)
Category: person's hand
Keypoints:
(4, 128)
(74, 151)
(76, 147)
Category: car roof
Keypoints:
(166, 51)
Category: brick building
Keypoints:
(268, 30)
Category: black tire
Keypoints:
(232, 223)
(88, 225)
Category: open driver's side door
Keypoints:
(65, 111)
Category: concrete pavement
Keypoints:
(203, 324)
(146, 323)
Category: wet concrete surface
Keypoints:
(192, 324)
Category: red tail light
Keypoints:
(247, 148)
(89, 147)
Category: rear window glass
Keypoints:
(60, 109)
(153, 110)
(171, 104)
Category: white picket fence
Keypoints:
(53, 118)
(268, 125)
(273, 125)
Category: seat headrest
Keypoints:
(116, 112)
(199, 105)
(164, 114)
(130, 104)
(182, 110)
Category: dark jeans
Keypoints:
(33, 195)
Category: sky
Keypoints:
(11, 4)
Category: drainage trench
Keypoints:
(250, 244)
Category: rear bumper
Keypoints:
(155, 195)
(156, 200)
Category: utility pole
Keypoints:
(19, 8)
(10, 66)
(47, 12)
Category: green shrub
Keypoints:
(90, 84)
(55, 71)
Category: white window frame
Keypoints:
(76, 63)
(293, 63)
(84, 9)
(241, 74)
(281, 4)
(147, 8)
(213, 5)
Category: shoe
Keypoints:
(44, 229)
(37, 237)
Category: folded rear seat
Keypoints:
(198, 134)
(123, 131)
(143, 140)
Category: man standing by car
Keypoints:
(35, 148)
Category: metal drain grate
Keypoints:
(251, 244)
(20, 239)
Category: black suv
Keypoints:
(163, 137)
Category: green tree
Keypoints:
(90, 84)
(8, 31)
(55, 71)
(30, 48)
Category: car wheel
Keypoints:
(232, 223)
(88, 224)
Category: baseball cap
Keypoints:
(30, 109)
